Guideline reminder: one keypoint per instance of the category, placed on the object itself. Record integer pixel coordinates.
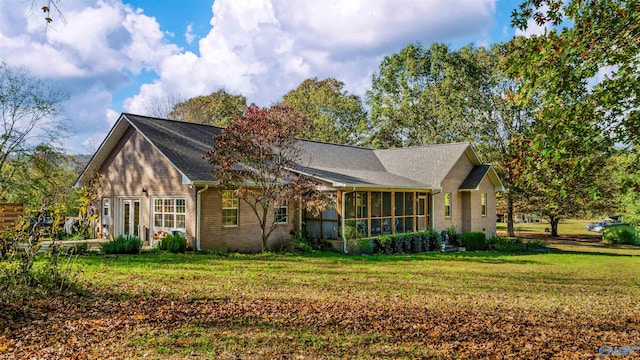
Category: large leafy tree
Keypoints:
(566, 179)
(218, 108)
(436, 95)
(255, 156)
(500, 124)
(424, 96)
(583, 72)
(333, 114)
(48, 173)
(587, 54)
(30, 112)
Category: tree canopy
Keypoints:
(585, 64)
(426, 96)
(582, 72)
(333, 114)
(29, 110)
(218, 108)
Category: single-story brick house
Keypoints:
(155, 181)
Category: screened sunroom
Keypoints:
(372, 213)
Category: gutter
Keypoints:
(344, 237)
(198, 211)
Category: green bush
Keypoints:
(128, 244)
(473, 240)
(409, 243)
(620, 234)
(516, 245)
(174, 244)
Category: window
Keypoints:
(447, 204)
(282, 213)
(483, 201)
(323, 225)
(380, 213)
(169, 213)
(404, 211)
(105, 207)
(229, 208)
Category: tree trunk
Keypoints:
(510, 231)
(263, 227)
(554, 221)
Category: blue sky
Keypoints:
(115, 56)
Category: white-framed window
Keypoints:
(483, 204)
(282, 213)
(447, 205)
(105, 207)
(230, 204)
(169, 213)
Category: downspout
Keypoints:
(344, 237)
(198, 211)
(300, 216)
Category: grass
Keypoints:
(475, 304)
(565, 227)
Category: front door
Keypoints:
(130, 217)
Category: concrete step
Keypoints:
(450, 248)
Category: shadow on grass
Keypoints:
(596, 253)
(161, 259)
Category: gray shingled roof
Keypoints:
(427, 164)
(475, 177)
(185, 144)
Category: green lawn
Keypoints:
(467, 305)
(566, 227)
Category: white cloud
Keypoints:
(94, 53)
(112, 116)
(262, 49)
(189, 36)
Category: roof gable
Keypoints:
(428, 164)
(473, 180)
(183, 144)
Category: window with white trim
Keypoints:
(229, 208)
(169, 213)
(447, 205)
(483, 202)
(281, 213)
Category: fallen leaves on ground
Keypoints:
(103, 324)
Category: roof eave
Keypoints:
(379, 186)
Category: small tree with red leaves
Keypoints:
(256, 157)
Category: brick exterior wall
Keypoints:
(466, 213)
(246, 236)
(135, 164)
(451, 184)
(486, 224)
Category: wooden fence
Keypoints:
(9, 214)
